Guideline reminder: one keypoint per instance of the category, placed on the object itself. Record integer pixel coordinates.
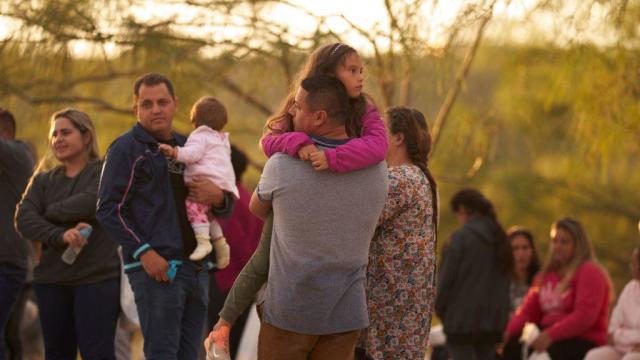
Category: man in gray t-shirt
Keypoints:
(315, 299)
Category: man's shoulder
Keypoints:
(126, 142)
(279, 159)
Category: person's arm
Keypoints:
(368, 149)
(30, 221)
(288, 142)
(80, 206)
(251, 278)
(590, 292)
(451, 258)
(114, 196)
(205, 191)
(16, 163)
(269, 184)
(258, 207)
(625, 309)
(193, 150)
(529, 311)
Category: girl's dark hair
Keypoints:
(477, 204)
(323, 61)
(534, 265)
(412, 124)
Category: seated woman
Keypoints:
(569, 300)
(525, 264)
(624, 327)
(525, 268)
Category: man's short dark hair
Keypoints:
(7, 121)
(152, 79)
(328, 94)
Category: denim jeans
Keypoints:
(11, 281)
(79, 316)
(172, 315)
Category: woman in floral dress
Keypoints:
(401, 271)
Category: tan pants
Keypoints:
(278, 344)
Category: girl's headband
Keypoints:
(335, 49)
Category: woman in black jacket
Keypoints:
(78, 298)
(473, 286)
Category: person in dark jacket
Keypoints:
(473, 286)
(16, 165)
(142, 204)
(79, 300)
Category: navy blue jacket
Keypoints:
(135, 198)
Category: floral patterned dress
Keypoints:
(401, 271)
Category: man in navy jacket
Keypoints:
(141, 203)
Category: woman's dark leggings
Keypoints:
(80, 316)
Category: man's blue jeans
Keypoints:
(172, 315)
(11, 281)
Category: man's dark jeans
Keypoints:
(172, 315)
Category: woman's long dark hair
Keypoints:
(477, 204)
(412, 124)
(534, 265)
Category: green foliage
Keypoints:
(544, 131)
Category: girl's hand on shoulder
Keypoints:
(319, 160)
(305, 152)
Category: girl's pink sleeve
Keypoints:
(530, 311)
(288, 142)
(591, 290)
(367, 150)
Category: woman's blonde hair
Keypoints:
(582, 251)
(81, 121)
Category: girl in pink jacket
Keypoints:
(207, 153)
(624, 326)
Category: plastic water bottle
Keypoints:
(69, 256)
(217, 353)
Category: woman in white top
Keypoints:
(624, 325)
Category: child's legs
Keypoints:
(216, 230)
(197, 214)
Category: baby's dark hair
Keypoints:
(209, 111)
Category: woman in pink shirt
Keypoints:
(624, 327)
(570, 298)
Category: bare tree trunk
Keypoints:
(453, 92)
(250, 99)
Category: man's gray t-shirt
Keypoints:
(323, 224)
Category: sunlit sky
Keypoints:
(369, 13)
